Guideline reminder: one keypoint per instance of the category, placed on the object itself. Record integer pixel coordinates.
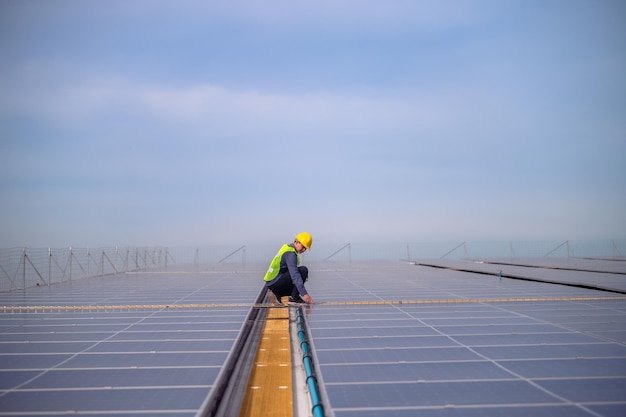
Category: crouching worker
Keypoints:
(285, 276)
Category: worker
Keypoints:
(285, 276)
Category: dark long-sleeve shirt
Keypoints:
(289, 262)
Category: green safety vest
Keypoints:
(274, 269)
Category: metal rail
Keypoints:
(262, 306)
(226, 397)
(523, 278)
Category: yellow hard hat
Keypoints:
(305, 238)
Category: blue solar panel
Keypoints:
(563, 357)
(125, 361)
(464, 351)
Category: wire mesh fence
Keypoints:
(27, 267)
(22, 268)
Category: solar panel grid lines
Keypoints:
(504, 367)
(64, 377)
(390, 339)
(402, 364)
(124, 361)
(470, 359)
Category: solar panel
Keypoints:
(564, 356)
(389, 338)
(136, 356)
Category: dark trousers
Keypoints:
(282, 285)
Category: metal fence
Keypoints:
(407, 251)
(22, 268)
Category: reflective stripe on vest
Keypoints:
(274, 269)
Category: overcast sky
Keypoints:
(201, 122)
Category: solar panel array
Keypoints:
(127, 360)
(447, 350)
(450, 356)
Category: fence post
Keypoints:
(24, 269)
(49, 264)
(26, 258)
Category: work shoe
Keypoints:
(296, 300)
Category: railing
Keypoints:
(22, 268)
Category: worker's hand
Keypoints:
(307, 298)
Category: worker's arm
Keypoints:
(291, 261)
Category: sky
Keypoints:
(203, 122)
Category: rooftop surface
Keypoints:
(438, 338)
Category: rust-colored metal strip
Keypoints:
(69, 308)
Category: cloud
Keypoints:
(367, 119)
(77, 101)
